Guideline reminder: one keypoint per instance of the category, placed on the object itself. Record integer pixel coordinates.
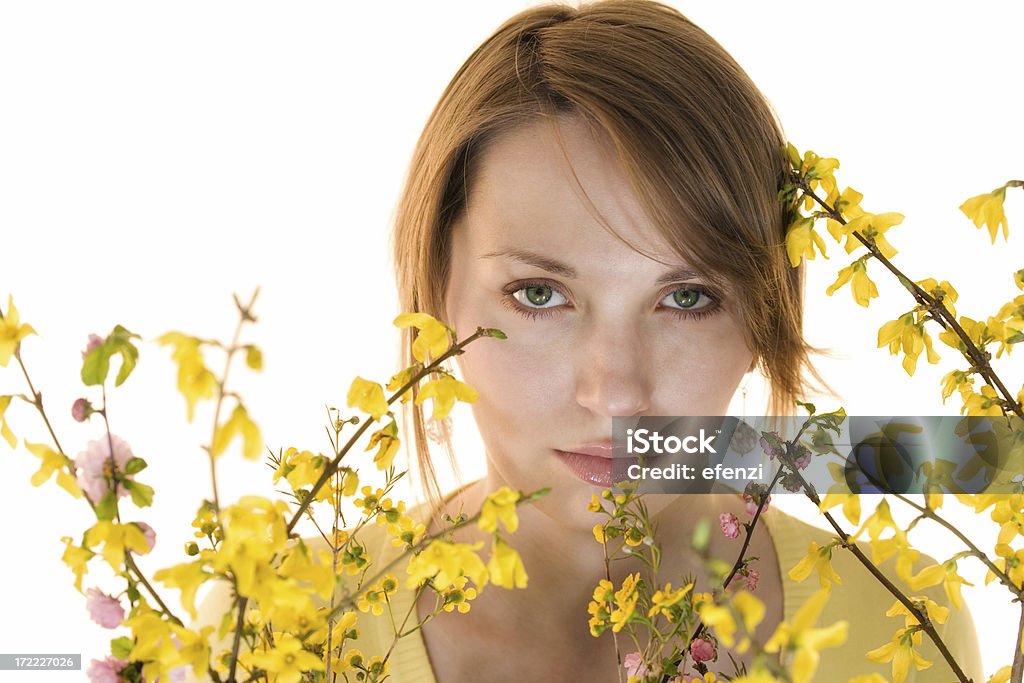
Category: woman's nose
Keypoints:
(612, 377)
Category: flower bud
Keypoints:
(81, 410)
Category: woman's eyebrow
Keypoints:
(533, 259)
(676, 275)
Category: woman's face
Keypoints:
(595, 328)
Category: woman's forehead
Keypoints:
(555, 188)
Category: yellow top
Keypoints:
(859, 599)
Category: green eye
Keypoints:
(538, 296)
(686, 298)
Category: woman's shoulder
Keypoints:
(862, 601)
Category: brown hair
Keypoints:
(700, 144)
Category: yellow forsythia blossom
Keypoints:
(499, 505)
(432, 340)
(5, 430)
(935, 612)
(195, 381)
(368, 397)
(444, 561)
(445, 391)
(386, 441)
(506, 567)
(1001, 676)
(53, 462)
(625, 602)
(802, 640)
(239, 424)
(910, 336)
(801, 239)
(12, 331)
(287, 660)
(872, 226)
(1010, 562)
(116, 538)
(945, 574)
(819, 558)
(987, 210)
(186, 577)
(900, 651)
(862, 286)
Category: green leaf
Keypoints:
(134, 466)
(121, 647)
(142, 495)
(1015, 338)
(106, 508)
(95, 366)
(809, 406)
(120, 340)
(701, 535)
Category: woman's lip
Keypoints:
(600, 449)
(593, 469)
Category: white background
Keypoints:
(156, 157)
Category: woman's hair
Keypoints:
(699, 144)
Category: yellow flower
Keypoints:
(625, 602)
(868, 678)
(458, 596)
(665, 598)
(53, 462)
(946, 575)
(12, 331)
(1009, 514)
(387, 442)
(239, 424)
(499, 505)
(903, 333)
(801, 240)
(803, 641)
(720, 618)
(187, 577)
(987, 210)
(194, 648)
(599, 534)
(873, 227)
(407, 532)
(368, 397)
(431, 341)
(1010, 562)
(1018, 278)
(956, 380)
(593, 506)
(899, 545)
(506, 567)
(195, 381)
(942, 289)
(820, 558)
(115, 539)
(287, 660)
(987, 402)
(444, 561)
(935, 613)
(5, 431)
(77, 559)
(1001, 676)
(862, 286)
(900, 651)
(445, 391)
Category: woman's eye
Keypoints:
(688, 298)
(538, 296)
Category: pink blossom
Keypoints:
(81, 410)
(94, 475)
(771, 444)
(148, 532)
(750, 503)
(730, 524)
(106, 670)
(702, 650)
(801, 457)
(750, 577)
(103, 609)
(634, 664)
(95, 341)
